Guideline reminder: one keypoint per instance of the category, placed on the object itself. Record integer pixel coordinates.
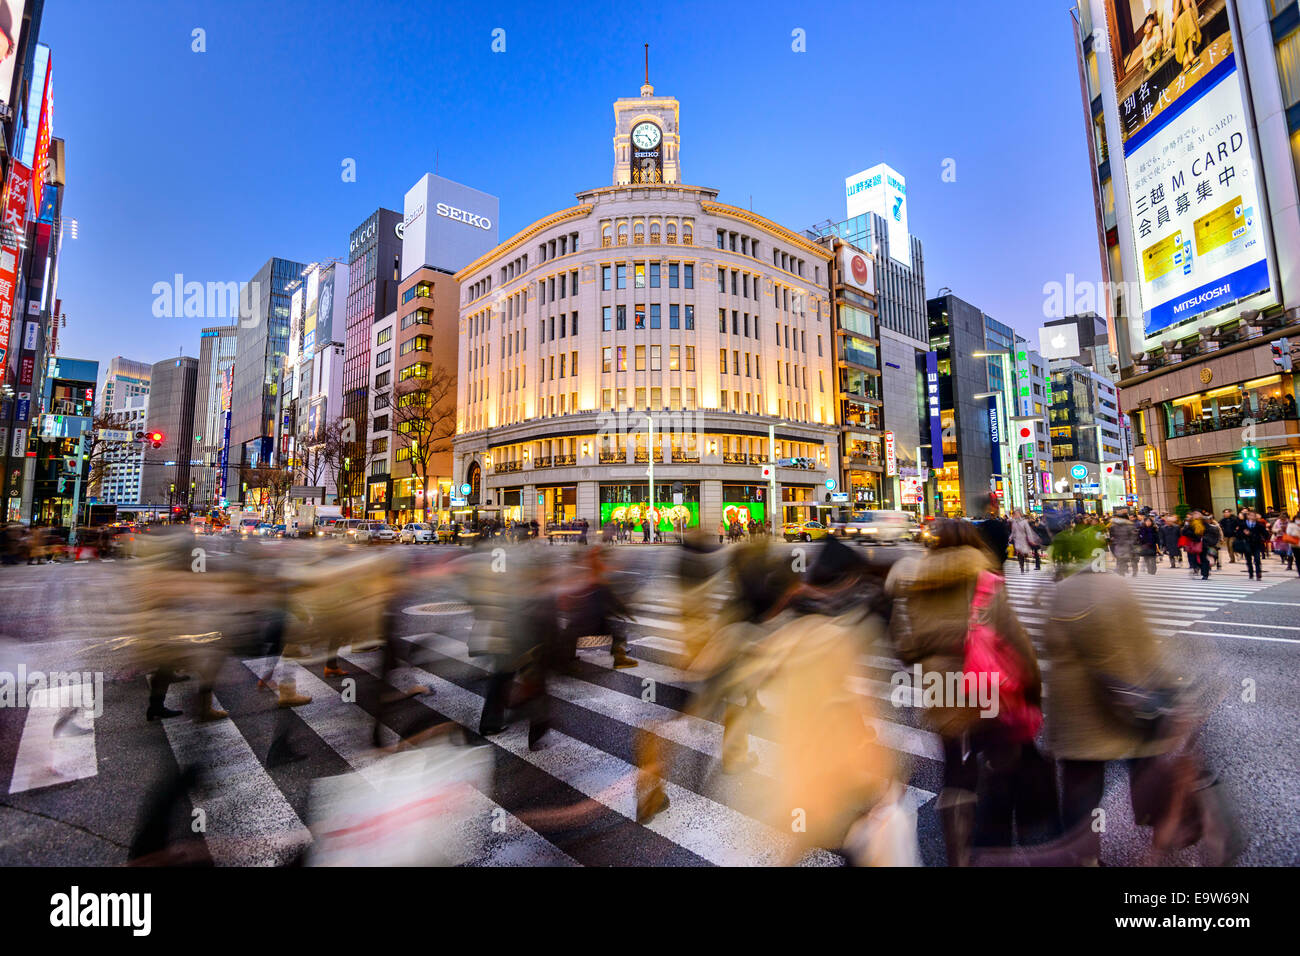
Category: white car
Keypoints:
(416, 533)
(370, 532)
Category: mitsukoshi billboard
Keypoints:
(1195, 198)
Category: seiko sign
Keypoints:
(460, 215)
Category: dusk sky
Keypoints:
(206, 164)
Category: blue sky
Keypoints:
(208, 163)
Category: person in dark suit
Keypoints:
(1254, 536)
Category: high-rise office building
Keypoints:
(212, 413)
(123, 379)
(1194, 145)
(167, 469)
(262, 342)
(374, 272)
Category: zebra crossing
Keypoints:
(257, 807)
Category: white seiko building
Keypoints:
(647, 334)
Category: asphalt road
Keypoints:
(72, 797)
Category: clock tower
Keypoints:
(646, 137)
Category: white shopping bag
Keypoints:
(416, 808)
(886, 836)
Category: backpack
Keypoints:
(987, 652)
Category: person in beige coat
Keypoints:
(1102, 651)
(931, 616)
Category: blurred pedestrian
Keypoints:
(1105, 660)
(931, 620)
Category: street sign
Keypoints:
(115, 434)
(1078, 472)
(306, 491)
(840, 496)
(466, 488)
(1246, 493)
(830, 484)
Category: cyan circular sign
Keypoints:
(1078, 472)
(466, 488)
(830, 484)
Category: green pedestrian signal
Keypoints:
(1250, 458)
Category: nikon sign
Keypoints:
(446, 225)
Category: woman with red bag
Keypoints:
(952, 618)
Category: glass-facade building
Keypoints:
(262, 343)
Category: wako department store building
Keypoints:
(648, 325)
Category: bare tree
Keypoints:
(311, 464)
(346, 455)
(274, 483)
(98, 450)
(424, 421)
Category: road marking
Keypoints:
(708, 829)
(1275, 627)
(250, 823)
(347, 728)
(44, 760)
(1278, 603)
(1242, 637)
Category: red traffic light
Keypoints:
(155, 439)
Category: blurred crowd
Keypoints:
(772, 639)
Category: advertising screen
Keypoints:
(11, 23)
(1195, 197)
(858, 269)
(669, 514)
(883, 191)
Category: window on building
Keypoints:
(673, 277)
(606, 319)
(621, 276)
(688, 276)
(383, 335)
(654, 315)
(384, 357)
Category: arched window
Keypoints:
(638, 233)
(606, 237)
(622, 234)
(687, 237)
(672, 233)
(654, 231)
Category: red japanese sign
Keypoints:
(13, 222)
(41, 159)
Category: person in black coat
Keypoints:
(1253, 535)
(1170, 532)
(1229, 524)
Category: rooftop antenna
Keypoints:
(647, 64)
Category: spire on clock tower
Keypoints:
(646, 137)
(647, 89)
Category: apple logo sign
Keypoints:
(861, 273)
(1058, 341)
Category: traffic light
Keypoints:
(156, 439)
(1250, 458)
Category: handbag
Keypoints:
(987, 653)
(1146, 710)
(886, 836)
(1291, 539)
(1194, 547)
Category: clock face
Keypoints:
(645, 135)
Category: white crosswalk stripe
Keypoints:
(256, 818)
